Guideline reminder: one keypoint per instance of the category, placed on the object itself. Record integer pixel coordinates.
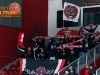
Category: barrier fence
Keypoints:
(84, 60)
(98, 71)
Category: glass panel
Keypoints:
(89, 18)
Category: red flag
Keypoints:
(20, 39)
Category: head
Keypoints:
(91, 67)
(63, 50)
(2, 71)
(38, 54)
(61, 41)
(71, 48)
(81, 42)
(73, 40)
(25, 69)
(42, 50)
(71, 67)
(67, 72)
(36, 44)
(29, 48)
(40, 40)
(86, 39)
(87, 66)
(52, 46)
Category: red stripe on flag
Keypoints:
(62, 64)
(21, 62)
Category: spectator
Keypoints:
(29, 53)
(38, 56)
(57, 52)
(82, 52)
(3, 73)
(42, 54)
(50, 43)
(36, 50)
(52, 53)
(67, 73)
(63, 54)
(96, 41)
(40, 43)
(87, 48)
(87, 70)
(72, 54)
(22, 51)
(92, 71)
(72, 71)
(24, 72)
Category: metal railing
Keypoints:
(84, 60)
(98, 71)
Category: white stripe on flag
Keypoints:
(23, 64)
(58, 66)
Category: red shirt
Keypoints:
(86, 72)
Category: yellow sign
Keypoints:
(12, 11)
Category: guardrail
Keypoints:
(98, 71)
(90, 56)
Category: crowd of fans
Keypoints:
(52, 48)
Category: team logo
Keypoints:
(70, 11)
(40, 71)
(68, 32)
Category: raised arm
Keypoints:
(87, 29)
(95, 27)
(20, 49)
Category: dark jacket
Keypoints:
(52, 52)
(24, 73)
(73, 72)
(92, 71)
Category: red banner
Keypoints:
(20, 39)
(71, 46)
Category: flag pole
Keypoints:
(63, 23)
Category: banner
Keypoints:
(20, 39)
(71, 12)
(41, 67)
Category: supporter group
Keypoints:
(52, 48)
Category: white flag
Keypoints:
(71, 12)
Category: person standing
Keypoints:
(29, 53)
(87, 70)
(72, 71)
(82, 52)
(92, 71)
(22, 51)
(52, 53)
(24, 72)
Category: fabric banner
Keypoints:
(71, 12)
(20, 39)
(90, 25)
(41, 67)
